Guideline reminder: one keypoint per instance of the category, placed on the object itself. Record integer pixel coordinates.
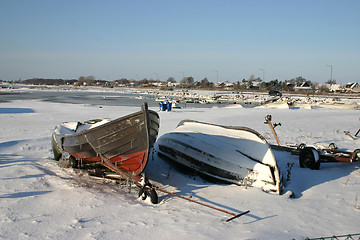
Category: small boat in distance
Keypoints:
(237, 155)
(123, 143)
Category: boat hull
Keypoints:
(231, 154)
(125, 141)
(340, 106)
(277, 105)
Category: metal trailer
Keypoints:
(311, 157)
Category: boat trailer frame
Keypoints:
(144, 184)
(311, 157)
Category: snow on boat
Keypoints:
(279, 105)
(237, 155)
(341, 105)
(301, 106)
(123, 143)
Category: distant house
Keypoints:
(352, 87)
(159, 84)
(336, 88)
(255, 84)
(172, 84)
(304, 86)
(290, 86)
(229, 84)
(329, 87)
(219, 85)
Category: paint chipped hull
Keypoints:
(125, 141)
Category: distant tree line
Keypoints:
(251, 83)
(44, 81)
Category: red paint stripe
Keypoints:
(134, 162)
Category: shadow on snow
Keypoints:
(16, 110)
(24, 194)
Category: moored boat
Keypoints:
(340, 105)
(278, 105)
(237, 155)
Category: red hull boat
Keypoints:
(122, 144)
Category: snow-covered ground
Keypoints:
(40, 200)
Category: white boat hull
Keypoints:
(232, 154)
(278, 105)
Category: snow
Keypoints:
(41, 200)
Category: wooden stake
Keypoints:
(206, 205)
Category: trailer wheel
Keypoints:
(153, 195)
(356, 155)
(149, 192)
(66, 160)
(302, 146)
(309, 158)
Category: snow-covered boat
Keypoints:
(340, 105)
(278, 105)
(237, 155)
(124, 142)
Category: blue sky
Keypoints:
(150, 39)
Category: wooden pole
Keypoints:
(206, 205)
(272, 127)
(137, 179)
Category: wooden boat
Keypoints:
(122, 144)
(237, 155)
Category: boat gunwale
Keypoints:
(139, 113)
